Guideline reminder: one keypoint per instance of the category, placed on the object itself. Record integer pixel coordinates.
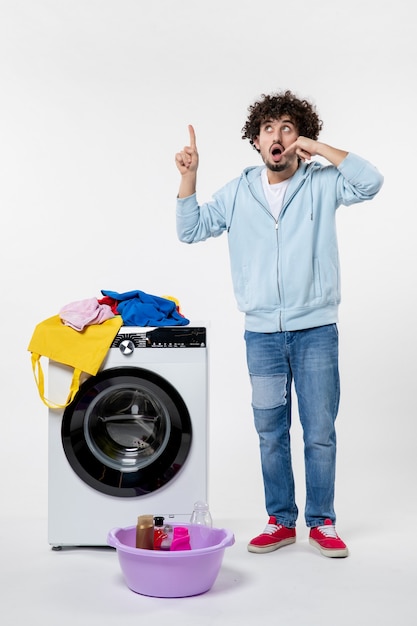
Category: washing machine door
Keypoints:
(127, 432)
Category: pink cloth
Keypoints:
(82, 313)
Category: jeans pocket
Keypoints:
(269, 392)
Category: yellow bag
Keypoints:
(83, 350)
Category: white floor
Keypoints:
(292, 586)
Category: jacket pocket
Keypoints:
(316, 277)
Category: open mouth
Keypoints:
(276, 152)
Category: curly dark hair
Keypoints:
(302, 113)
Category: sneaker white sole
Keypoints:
(343, 552)
(271, 547)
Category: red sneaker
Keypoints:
(273, 537)
(326, 539)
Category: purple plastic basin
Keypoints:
(165, 574)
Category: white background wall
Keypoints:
(95, 100)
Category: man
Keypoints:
(280, 220)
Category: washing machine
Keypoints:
(134, 440)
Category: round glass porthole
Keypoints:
(127, 433)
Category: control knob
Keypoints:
(127, 347)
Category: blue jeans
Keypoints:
(310, 359)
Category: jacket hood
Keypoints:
(252, 173)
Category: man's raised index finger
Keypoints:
(192, 136)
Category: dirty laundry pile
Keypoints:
(81, 334)
(136, 308)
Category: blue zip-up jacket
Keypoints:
(285, 273)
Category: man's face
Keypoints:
(275, 135)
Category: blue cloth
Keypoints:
(138, 308)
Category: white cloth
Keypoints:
(274, 194)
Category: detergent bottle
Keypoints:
(160, 534)
(144, 532)
(181, 539)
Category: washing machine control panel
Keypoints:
(166, 337)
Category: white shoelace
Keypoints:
(270, 529)
(328, 531)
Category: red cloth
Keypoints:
(111, 302)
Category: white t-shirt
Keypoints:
(274, 194)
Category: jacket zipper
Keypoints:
(284, 207)
(276, 222)
(278, 287)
